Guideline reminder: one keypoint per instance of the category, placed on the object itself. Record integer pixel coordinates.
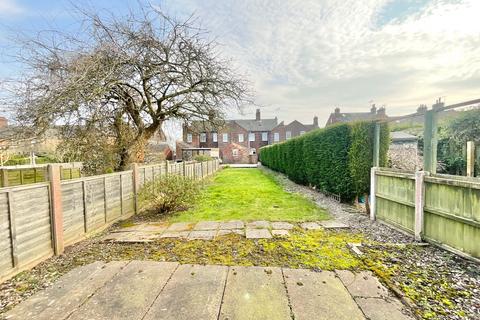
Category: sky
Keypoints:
(306, 57)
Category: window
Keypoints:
(276, 137)
(235, 152)
(288, 135)
(189, 138)
(251, 137)
(264, 136)
(302, 132)
(214, 137)
(203, 137)
(225, 137)
(240, 137)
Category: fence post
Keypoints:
(166, 167)
(56, 208)
(136, 185)
(184, 169)
(373, 193)
(430, 136)
(470, 159)
(376, 146)
(419, 203)
(4, 178)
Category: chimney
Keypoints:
(422, 109)
(373, 110)
(3, 122)
(257, 115)
(381, 112)
(337, 111)
(315, 121)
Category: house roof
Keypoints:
(257, 125)
(397, 136)
(355, 116)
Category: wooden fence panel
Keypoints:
(452, 214)
(30, 209)
(113, 197)
(6, 263)
(73, 211)
(396, 199)
(95, 201)
(128, 203)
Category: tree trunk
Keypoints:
(367, 204)
(135, 151)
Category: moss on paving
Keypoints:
(430, 288)
(249, 194)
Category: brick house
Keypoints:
(238, 141)
(374, 114)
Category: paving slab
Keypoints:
(193, 292)
(206, 225)
(232, 224)
(230, 231)
(280, 233)
(255, 293)
(380, 309)
(282, 225)
(362, 284)
(319, 295)
(202, 235)
(145, 227)
(180, 226)
(175, 234)
(310, 226)
(258, 234)
(129, 294)
(133, 236)
(261, 224)
(332, 224)
(67, 293)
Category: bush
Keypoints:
(169, 194)
(336, 159)
(202, 158)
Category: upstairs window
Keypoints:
(225, 137)
(251, 137)
(264, 136)
(214, 137)
(240, 137)
(203, 137)
(189, 138)
(288, 135)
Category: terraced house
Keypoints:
(238, 141)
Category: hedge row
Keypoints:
(335, 159)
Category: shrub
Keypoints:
(169, 194)
(202, 158)
(335, 159)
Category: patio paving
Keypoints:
(167, 290)
(209, 230)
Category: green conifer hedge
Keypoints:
(335, 159)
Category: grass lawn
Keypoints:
(249, 194)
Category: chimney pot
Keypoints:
(257, 115)
(337, 110)
(315, 121)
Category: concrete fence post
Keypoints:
(419, 203)
(470, 159)
(373, 193)
(56, 208)
(136, 185)
(4, 178)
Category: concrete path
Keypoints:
(209, 230)
(166, 290)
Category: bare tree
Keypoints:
(124, 77)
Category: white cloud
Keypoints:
(306, 56)
(9, 7)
